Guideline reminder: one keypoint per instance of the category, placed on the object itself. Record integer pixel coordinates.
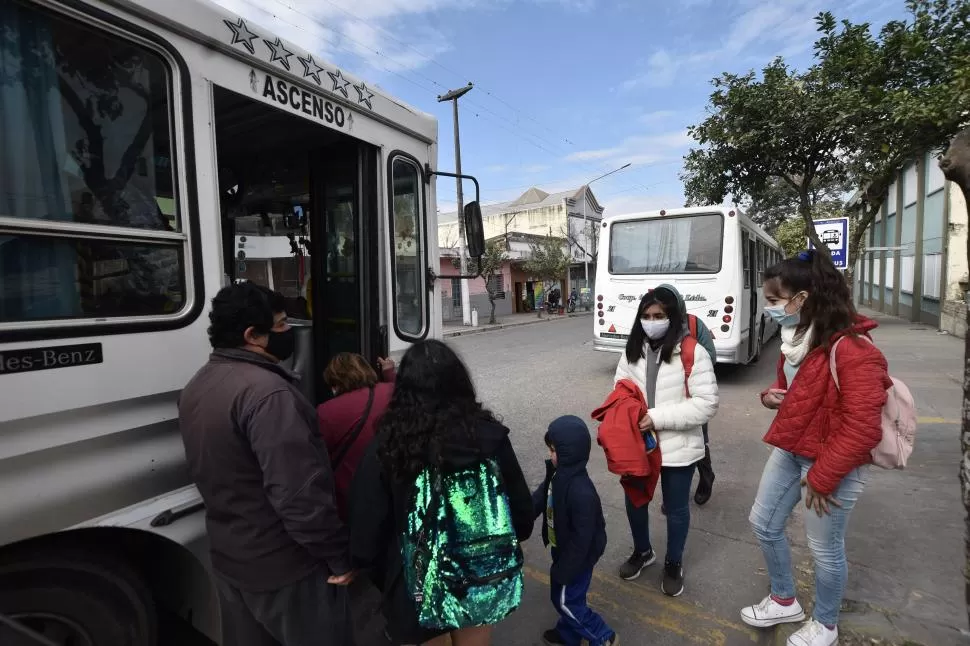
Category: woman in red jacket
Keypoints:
(822, 434)
(349, 420)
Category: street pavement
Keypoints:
(905, 544)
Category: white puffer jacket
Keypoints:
(676, 417)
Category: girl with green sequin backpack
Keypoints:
(463, 562)
(439, 506)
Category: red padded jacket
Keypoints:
(836, 427)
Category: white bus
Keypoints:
(152, 152)
(715, 257)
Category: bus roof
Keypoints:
(210, 24)
(694, 210)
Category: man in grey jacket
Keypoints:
(279, 549)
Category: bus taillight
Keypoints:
(726, 318)
(729, 300)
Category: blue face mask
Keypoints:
(783, 318)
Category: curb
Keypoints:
(504, 326)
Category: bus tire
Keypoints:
(79, 598)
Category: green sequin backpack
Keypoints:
(462, 560)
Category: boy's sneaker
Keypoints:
(614, 640)
(814, 634)
(635, 564)
(552, 638)
(770, 613)
(673, 582)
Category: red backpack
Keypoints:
(687, 348)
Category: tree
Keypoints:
(549, 261)
(488, 267)
(778, 202)
(791, 235)
(782, 127)
(899, 91)
(587, 239)
(956, 168)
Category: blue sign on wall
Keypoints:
(834, 234)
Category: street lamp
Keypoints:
(453, 96)
(586, 226)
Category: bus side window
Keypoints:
(94, 216)
(408, 253)
(761, 263)
(746, 258)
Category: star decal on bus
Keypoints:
(310, 68)
(241, 35)
(279, 53)
(364, 95)
(340, 83)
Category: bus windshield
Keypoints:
(675, 245)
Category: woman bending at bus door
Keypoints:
(677, 379)
(822, 433)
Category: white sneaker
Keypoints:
(814, 634)
(770, 613)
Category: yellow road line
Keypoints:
(653, 608)
(937, 420)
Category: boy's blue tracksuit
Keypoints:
(574, 527)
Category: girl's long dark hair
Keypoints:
(829, 305)
(434, 401)
(667, 300)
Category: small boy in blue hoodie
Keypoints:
(574, 527)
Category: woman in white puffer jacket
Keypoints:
(653, 361)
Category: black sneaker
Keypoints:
(614, 640)
(673, 581)
(552, 638)
(635, 564)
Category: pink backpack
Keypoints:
(898, 421)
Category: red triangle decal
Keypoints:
(612, 328)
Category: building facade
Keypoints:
(571, 215)
(915, 263)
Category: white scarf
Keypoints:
(796, 346)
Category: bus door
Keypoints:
(299, 213)
(344, 265)
(751, 283)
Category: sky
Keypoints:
(565, 90)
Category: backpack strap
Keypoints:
(835, 374)
(351, 438)
(687, 348)
(692, 325)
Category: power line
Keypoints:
(432, 60)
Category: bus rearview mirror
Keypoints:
(474, 230)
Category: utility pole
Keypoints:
(586, 253)
(453, 96)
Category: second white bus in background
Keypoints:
(715, 256)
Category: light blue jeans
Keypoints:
(780, 490)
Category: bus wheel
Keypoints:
(87, 600)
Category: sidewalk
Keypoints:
(507, 321)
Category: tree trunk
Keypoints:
(491, 315)
(858, 235)
(956, 168)
(805, 210)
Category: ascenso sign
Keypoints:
(299, 100)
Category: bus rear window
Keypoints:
(667, 245)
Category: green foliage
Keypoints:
(489, 266)
(549, 259)
(779, 202)
(871, 102)
(790, 234)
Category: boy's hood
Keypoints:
(570, 437)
